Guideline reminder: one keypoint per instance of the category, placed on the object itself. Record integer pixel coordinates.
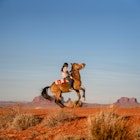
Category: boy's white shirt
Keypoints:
(65, 72)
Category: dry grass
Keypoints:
(79, 104)
(4, 137)
(24, 121)
(70, 137)
(12, 118)
(45, 137)
(58, 117)
(33, 135)
(109, 126)
(8, 115)
(137, 133)
(105, 125)
(73, 104)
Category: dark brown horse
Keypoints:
(57, 90)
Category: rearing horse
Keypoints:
(57, 90)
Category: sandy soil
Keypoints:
(73, 128)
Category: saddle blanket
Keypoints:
(58, 82)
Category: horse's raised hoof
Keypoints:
(83, 98)
(78, 104)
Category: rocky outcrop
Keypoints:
(40, 99)
(133, 100)
(127, 102)
(40, 102)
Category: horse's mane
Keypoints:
(75, 71)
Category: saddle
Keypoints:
(61, 81)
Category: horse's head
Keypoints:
(76, 66)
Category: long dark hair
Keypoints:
(64, 65)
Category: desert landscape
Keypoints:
(44, 120)
(89, 48)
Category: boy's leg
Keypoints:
(71, 81)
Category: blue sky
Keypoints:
(37, 37)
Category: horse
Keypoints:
(58, 89)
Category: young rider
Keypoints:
(66, 75)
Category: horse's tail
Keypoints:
(44, 93)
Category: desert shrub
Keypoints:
(45, 136)
(3, 137)
(137, 133)
(33, 135)
(108, 126)
(24, 121)
(58, 137)
(79, 104)
(74, 104)
(8, 115)
(58, 117)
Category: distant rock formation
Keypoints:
(133, 100)
(122, 102)
(127, 102)
(40, 102)
(40, 99)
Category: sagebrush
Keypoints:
(24, 121)
(137, 133)
(70, 137)
(109, 126)
(58, 117)
(8, 115)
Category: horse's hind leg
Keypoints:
(79, 96)
(84, 98)
(58, 100)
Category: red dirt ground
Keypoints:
(73, 128)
